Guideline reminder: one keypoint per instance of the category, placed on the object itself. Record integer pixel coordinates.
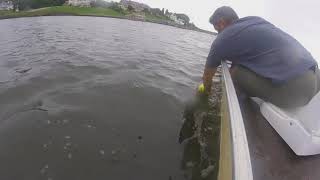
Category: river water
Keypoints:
(95, 98)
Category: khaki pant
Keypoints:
(294, 93)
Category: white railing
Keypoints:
(241, 169)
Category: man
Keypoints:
(266, 62)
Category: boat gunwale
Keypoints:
(242, 169)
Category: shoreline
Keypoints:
(38, 13)
(115, 17)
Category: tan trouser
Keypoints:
(294, 93)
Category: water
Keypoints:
(95, 98)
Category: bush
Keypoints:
(184, 17)
(115, 6)
(130, 8)
(100, 3)
(146, 10)
(156, 11)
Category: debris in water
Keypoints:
(189, 164)
(39, 109)
(67, 145)
(200, 135)
(48, 122)
(101, 152)
(45, 145)
(140, 139)
(65, 121)
(90, 126)
(69, 155)
(123, 150)
(170, 177)
(44, 169)
(67, 137)
(113, 152)
(134, 155)
(202, 144)
(115, 159)
(205, 173)
(23, 70)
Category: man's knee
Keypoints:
(233, 72)
(237, 74)
(248, 82)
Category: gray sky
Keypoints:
(299, 18)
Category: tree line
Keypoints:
(34, 4)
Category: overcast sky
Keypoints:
(299, 18)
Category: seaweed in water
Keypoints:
(200, 135)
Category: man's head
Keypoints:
(223, 17)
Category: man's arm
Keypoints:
(218, 52)
(208, 74)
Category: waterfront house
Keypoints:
(174, 18)
(81, 3)
(6, 5)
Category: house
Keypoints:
(174, 18)
(81, 3)
(138, 7)
(6, 5)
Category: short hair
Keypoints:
(224, 12)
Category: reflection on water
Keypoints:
(200, 137)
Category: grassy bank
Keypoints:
(76, 11)
(63, 10)
(150, 17)
(80, 11)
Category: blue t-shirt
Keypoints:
(261, 47)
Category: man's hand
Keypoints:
(207, 78)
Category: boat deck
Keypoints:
(271, 157)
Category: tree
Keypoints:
(130, 8)
(155, 11)
(146, 11)
(116, 6)
(184, 18)
(27, 4)
(162, 11)
(167, 12)
(21, 4)
(15, 5)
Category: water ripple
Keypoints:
(102, 84)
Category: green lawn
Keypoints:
(80, 11)
(3, 12)
(152, 17)
(63, 10)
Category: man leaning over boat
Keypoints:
(266, 62)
